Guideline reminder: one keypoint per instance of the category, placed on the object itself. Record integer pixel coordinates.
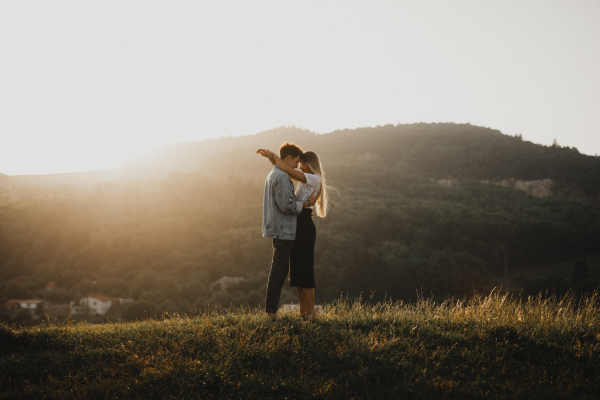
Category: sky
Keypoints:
(90, 85)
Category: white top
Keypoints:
(304, 190)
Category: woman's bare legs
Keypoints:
(301, 300)
(309, 301)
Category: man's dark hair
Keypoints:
(289, 149)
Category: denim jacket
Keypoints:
(280, 206)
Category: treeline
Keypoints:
(446, 150)
(465, 151)
(391, 231)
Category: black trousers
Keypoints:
(302, 259)
(279, 271)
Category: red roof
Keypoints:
(51, 285)
(100, 297)
(15, 302)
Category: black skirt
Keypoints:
(302, 259)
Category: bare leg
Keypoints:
(309, 301)
(301, 300)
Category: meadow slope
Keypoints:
(488, 347)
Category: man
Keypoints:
(279, 222)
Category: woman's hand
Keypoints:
(266, 153)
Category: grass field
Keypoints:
(488, 347)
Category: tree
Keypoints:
(23, 316)
(166, 306)
(85, 310)
(4, 314)
(141, 309)
(580, 272)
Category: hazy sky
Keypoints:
(88, 85)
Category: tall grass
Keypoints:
(494, 346)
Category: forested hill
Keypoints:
(164, 228)
(438, 151)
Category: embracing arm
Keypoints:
(293, 173)
(266, 153)
(274, 158)
(286, 200)
(283, 194)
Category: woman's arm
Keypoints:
(265, 153)
(274, 158)
(293, 173)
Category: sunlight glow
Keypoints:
(90, 85)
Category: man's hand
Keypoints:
(313, 197)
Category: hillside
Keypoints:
(396, 227)
(489, 347)
(435, 151)
(431, 150)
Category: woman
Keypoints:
(311, 178)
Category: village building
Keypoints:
(97, 304)
(33, 307)
(225, 281)
(51, 286)
(24, 304)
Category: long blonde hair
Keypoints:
(311, 159)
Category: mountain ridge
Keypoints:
(439, 151)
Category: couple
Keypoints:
(287, 219)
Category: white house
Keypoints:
(26, 304)
(225, 281)
(98, 303)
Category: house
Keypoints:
(24, 304)
(51, 286)
(98, 303)
(225, 281)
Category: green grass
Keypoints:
(487, 347)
